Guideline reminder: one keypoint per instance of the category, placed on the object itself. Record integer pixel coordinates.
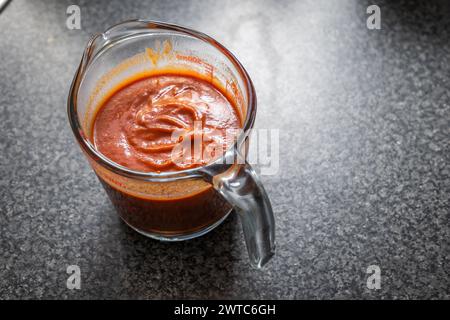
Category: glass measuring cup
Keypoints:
(183, 204)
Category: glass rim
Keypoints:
(97, 156)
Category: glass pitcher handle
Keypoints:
(243, 189)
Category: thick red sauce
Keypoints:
(165, 123)
(142, 124)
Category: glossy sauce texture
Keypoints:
(150, 125)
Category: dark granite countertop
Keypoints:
(364, 119)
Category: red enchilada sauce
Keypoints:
(167, 123)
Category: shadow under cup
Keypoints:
(184, 204)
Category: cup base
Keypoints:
(184, 237)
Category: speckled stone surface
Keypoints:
(364, 116)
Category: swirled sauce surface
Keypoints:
(165, 123)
